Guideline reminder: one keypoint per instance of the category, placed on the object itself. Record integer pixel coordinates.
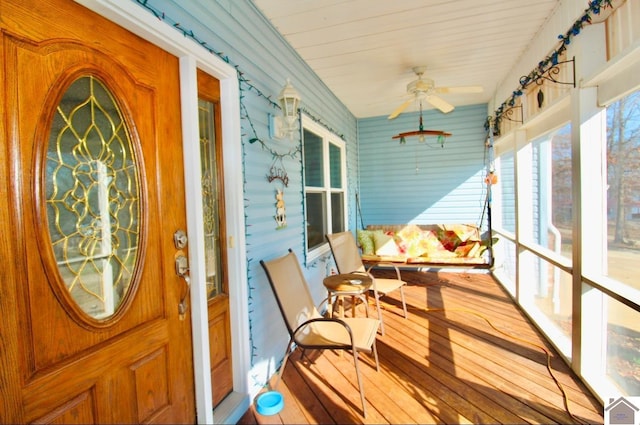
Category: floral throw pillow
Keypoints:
(449, 239)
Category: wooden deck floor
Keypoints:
(474, 358)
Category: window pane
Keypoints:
(316, 220)
(337, 212)
(545, 292)
(551, 190)
(623, 195)
(335, 164)
(506, 181)
(313, 164)
(325, 189)
(623, 347)
(505, 263)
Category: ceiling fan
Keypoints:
(425, 89)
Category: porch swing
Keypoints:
(433, 245)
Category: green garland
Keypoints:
(595, 7)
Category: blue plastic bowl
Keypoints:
(269, 403)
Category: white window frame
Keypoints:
(328, 137)
(585, 107)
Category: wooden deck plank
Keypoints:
(531, 335)
(520, 364)
(477, 361)
(304, 397)
(497, 392)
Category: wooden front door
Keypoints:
(215, 236)
(92, 154)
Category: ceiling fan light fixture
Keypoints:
(424, 88)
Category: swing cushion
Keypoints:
(423, 244)
(365, 241)
(385, 244)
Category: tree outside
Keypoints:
(623, 213)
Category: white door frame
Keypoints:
(192, 56)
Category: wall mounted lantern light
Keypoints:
(285, 126)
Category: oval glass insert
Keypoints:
(92, 198)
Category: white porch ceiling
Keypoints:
(364, 50)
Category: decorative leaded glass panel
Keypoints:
(210, 195)
(92, 197)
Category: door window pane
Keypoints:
(210, 195)
(93, 198)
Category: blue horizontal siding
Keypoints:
(446, 186)
(240, 33)
(423, 183)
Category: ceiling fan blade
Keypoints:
(399, 109)
(439, 103)
(460, 89)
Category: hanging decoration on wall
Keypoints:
(422, 133)
(548, 67)
(540, 98)
(281, 212)
(278, 172)
(491, 178)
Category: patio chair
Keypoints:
(346, 255)
(308, 329)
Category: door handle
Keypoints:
(182, 270)
(182, 265)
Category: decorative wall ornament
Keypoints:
(278, 173)
(540, 98)
(281, 213)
